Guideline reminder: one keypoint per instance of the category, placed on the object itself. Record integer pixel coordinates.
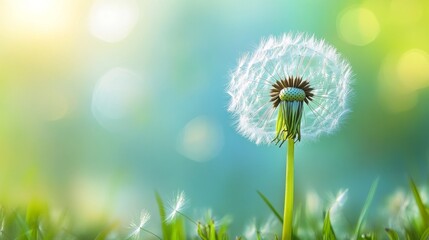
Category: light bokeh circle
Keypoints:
(200, 140)
(119, 99)
(358, 26)
(113, 20)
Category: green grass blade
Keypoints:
(104, 234)
(265, 199)
(393, 235)
(178, 229)
(425, 235)
(422, 209)
(366, 207)
(328, 231)
(201, 230)
(166, 233)
(212, 230)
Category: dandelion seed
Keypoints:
(399, 209)
(251, 230)
(265, 231)
(289, 87)
(339, 201)
(177, 205)
(269, 227)
(139, 227)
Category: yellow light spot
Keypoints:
(358, 26)
(35, 16)
(113, 20)
(90, 199)
(413, 69)
(393, 94)
(406, 12)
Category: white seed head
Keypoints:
(277, 58)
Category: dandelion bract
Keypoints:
(291, 67)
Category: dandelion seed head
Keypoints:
(137, 227)
(177, 205)
(283, 63)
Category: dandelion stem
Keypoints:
(152, 233)
(189, 219)
(288, 202)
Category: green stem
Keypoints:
(288, 207)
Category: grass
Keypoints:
(38, 222)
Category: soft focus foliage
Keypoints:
(40, 222)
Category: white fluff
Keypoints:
(277, 58)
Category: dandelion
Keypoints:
(139, 227)
(291, 87)
(177, 205)
(295, 76)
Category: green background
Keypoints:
(102, 147)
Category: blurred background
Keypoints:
(103, 102)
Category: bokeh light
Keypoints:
(53, 105)
(113, 20)
(103, 101)
(118, 97)
(401, 76)
(413, 69)
(201, 139)
(406, 12)
(358, 26)
(35, 16)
